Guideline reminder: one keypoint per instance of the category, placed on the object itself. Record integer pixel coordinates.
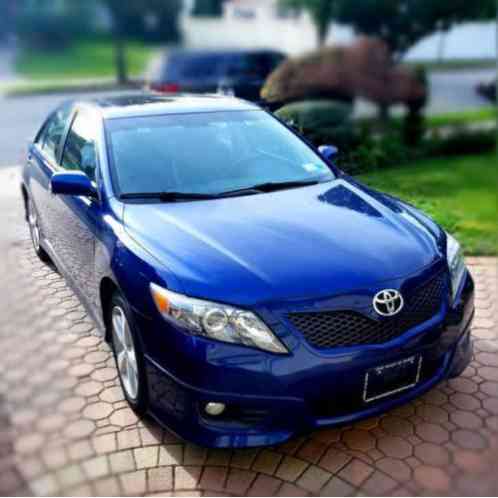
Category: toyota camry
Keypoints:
(250, 289)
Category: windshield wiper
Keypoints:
(168, 196)
(270, 187)
(171, 196)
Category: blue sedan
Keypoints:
(250, 290)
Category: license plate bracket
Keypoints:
(392, 378)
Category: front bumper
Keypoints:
(269, 403)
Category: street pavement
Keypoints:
(455, 90)
(65, 428)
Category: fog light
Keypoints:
(214, 409)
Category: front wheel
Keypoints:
(128, 354)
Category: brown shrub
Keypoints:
(363, 69)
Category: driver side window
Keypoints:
(80, 152)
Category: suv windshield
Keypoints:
(209, 153)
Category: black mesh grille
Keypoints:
(348, 328)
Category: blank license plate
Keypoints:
(392, 378)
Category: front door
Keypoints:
(78, 217)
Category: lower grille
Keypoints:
(348, 328)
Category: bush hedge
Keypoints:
(321, 121)
(374, 152)
(365, 146)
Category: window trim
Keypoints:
(66, 135)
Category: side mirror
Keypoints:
(73, 183)
(328, 152)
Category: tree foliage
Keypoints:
(322, 12)
(6, 19)
(399, 23)
(48, 25)
(402, 23)
(208, 8)
(129, 19)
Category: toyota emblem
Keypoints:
(388, 302)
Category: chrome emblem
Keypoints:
(388, 302)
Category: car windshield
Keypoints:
(208, 153)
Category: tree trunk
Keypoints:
(323, 31)
(120, 59)
(441, 46)
(322, 37)
(383, 114)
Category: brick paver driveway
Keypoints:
(65, 429)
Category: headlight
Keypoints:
(217, 321)
(456, 263)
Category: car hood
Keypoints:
(302, 243)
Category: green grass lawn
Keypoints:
(464, 118)
(459, 193)
(454, 64)
(460, 118)
(84, 59)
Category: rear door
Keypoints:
(42, 164)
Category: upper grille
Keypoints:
(348, 328)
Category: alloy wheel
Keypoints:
(34, 227)
(124, 349)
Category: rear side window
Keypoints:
(50, 138)
(192, 67)
(250, 65)
(254, 65)
(80, 152)
(273, 60)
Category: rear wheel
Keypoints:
(35, 231)
(128, 354)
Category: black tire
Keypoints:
(35, 230)
(138, 401)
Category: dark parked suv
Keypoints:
(235, 72)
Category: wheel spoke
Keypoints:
(133, 381)
(118, 326)
(33, 225)
(128, 341)
(36, 236)
(122, 362)
(132, 360)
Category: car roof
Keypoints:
(137, 105)
(222, 52)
